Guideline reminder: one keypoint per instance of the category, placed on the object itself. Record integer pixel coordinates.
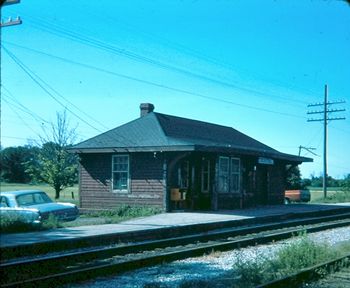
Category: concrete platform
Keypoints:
(174, 223)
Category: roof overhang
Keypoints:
(256, 152)
(132, 149)
(202, 148)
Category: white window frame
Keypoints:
(221, 174)
(229, 174)
(121, 171)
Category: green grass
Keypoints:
(13, 223)
(119, 214)
(334, 195)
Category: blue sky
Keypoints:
(251, 65)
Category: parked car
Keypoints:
(23, 215)
(296, 196)
(35, 206)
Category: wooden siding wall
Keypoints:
(147, 186)
(95, 181)
(260, 185)
(146, 181)
(276, 183)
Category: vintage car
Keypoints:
(35, 205)
(301, 195)
(22, 215)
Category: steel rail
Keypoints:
(101, 268)
(310, 274)
(150, 245)
(55, 245)
(64, 244)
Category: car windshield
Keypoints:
(33, 199)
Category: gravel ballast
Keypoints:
(207, 267)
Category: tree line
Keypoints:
(295, 181)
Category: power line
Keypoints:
(187, 92)
(17, 107)
(193, 52)
(23, 108)
(20, 138)
(53, 28)
(38, 119)
(342, 130)
(33, 76)
(96, 43)
(69, 102)
(19, 116)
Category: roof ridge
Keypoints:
(194, 120)
(214, 125)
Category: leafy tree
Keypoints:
(331, 182)
(294, 180)
(316, 181)
(305, 182)
(54, 164)
(345, 183)
(13, 161)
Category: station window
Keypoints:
(235, 172)
(224, 168)
(229, 175)
(120, 172)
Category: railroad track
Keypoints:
(73, 266)
(340, 279)
(338, 270)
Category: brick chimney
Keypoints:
(146, 108)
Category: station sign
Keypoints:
(265, 161)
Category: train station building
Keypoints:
(176, 163)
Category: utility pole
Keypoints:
(10, 22)
(325, 119)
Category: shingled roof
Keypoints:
(161, 132)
